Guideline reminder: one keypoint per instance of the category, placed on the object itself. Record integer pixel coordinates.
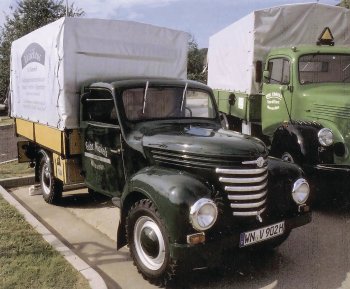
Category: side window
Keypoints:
(279, 69)
(99, 107)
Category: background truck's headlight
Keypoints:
(203, 214)
(301, 191)
(325, 137)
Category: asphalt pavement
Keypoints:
(315, 256)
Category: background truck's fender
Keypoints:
(172, 191)
(300, 141)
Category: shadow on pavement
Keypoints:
(85, 201)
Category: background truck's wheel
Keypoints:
(149, 243)
(292, 155)
(52, 188)
(286, 156)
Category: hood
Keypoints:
(204, 141)
(329, 105)
(328, 100)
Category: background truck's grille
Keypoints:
(246, 189)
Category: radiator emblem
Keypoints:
(260, 162)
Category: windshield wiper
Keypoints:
(183, 97)
(346, 67)
(145, 98)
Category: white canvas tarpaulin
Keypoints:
(49, 65)
(234, 50)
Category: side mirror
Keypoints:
(232, 99)
(266, 75)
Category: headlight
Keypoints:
(203, 214)
(325, 137)
(301, 191)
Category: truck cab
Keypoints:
(188, 189)
(185, 186)
(307, 87)
(287, 83)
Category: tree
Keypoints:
(344, 3)
(26, 17)
(197, 62)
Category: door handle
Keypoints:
(117, 151)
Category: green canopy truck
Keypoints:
(283, 74)
(107, 103)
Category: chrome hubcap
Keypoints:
(149, 243)
(46, 179)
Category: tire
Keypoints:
(52, 188)
(286, 156)
(289, 155)
(149, 243)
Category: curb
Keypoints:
(6, 126)
(94, 279)
(17, 181)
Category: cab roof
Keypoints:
(132, 82)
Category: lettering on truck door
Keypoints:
(277, 100)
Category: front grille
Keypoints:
(246, 189)
(191, 160)
(242, 180)
(331, 111)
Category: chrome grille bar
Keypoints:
(240, 171)
(243, 180)
(247, 205)
(249, 214)
(245, 189)
(247, 197)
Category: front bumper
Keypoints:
(331, 177)
(210, 254)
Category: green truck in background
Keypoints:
(283, 75)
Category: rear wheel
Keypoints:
(52, 188)
(149, 243)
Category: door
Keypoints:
(101, 139)
(277, 101)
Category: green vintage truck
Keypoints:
(188, 190)
(283, 75)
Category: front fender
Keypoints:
(300, 139)
(172, 191)
(282, 176)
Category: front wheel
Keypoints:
(286, 156)
(52, 188)
(149, 243)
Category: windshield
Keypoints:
(149, 103)
(321, 68)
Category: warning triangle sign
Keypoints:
(326, 37)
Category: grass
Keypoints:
(5, 120)
(15, 169)
(27, 261)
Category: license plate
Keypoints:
(262, 234)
